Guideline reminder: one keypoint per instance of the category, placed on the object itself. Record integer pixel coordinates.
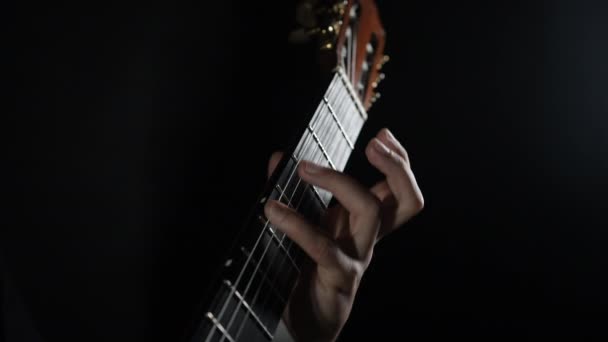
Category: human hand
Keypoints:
(342, 248)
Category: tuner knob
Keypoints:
(339, 8)
(380, 78)
(376, 97)
(384, 60)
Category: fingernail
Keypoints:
(312, 168)
(381, 148)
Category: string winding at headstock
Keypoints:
(350, 36)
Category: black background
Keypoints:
(140, 135)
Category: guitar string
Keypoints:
(342, 95)
(322, 134)
(288, 246)
(247, 262)
(334, 129)
(344, 106)
(255, 272)
(337, 97)
(321, 123)
(343, 143)
(308, 142)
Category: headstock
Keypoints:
(350, 36)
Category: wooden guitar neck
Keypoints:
(260, 271)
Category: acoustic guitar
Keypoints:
(249, 295)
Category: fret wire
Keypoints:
(323, 150)
(332, 132)
(239, 279)
(322, 125)
(324, 138)
(279, 189)
(328, 151)
(319, 158)
(348, 112)
(304, 149)
(327, 138)
(335, 91)
(302, 144)
(351, 119)
(333, 114)
(306, 154)
(287, 255)
(224, 307)
(276, 273)
(293, 265)
(320, 132)
(318, 118)
(353, 94)
(264, 221)
(307, 140)
(249, 309)
(345, 116)
(258, 264)
(329, 160)
(312, 151)
(255, 271)
(334, 141)
(268, 300)
(233, 316)
(278, 240)
(219, 327)
(270, 284)
(339, 101)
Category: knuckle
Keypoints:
(373, 207)
(418, 203)
(406, 156)
(397, 144)
(325, 250)
(415, 204)
(403, 162)
(352, 274)
(356, 270)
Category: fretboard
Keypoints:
(261, 270)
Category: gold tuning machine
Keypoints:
(385, 59)
(376, 97)
(380, 78)
(318, 22)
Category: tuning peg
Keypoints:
(384, 60)
(376, 97)
(380, 78)
(327, 36)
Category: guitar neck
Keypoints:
(260, 272)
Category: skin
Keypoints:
(342, 248)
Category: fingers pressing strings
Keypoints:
(321, 248)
